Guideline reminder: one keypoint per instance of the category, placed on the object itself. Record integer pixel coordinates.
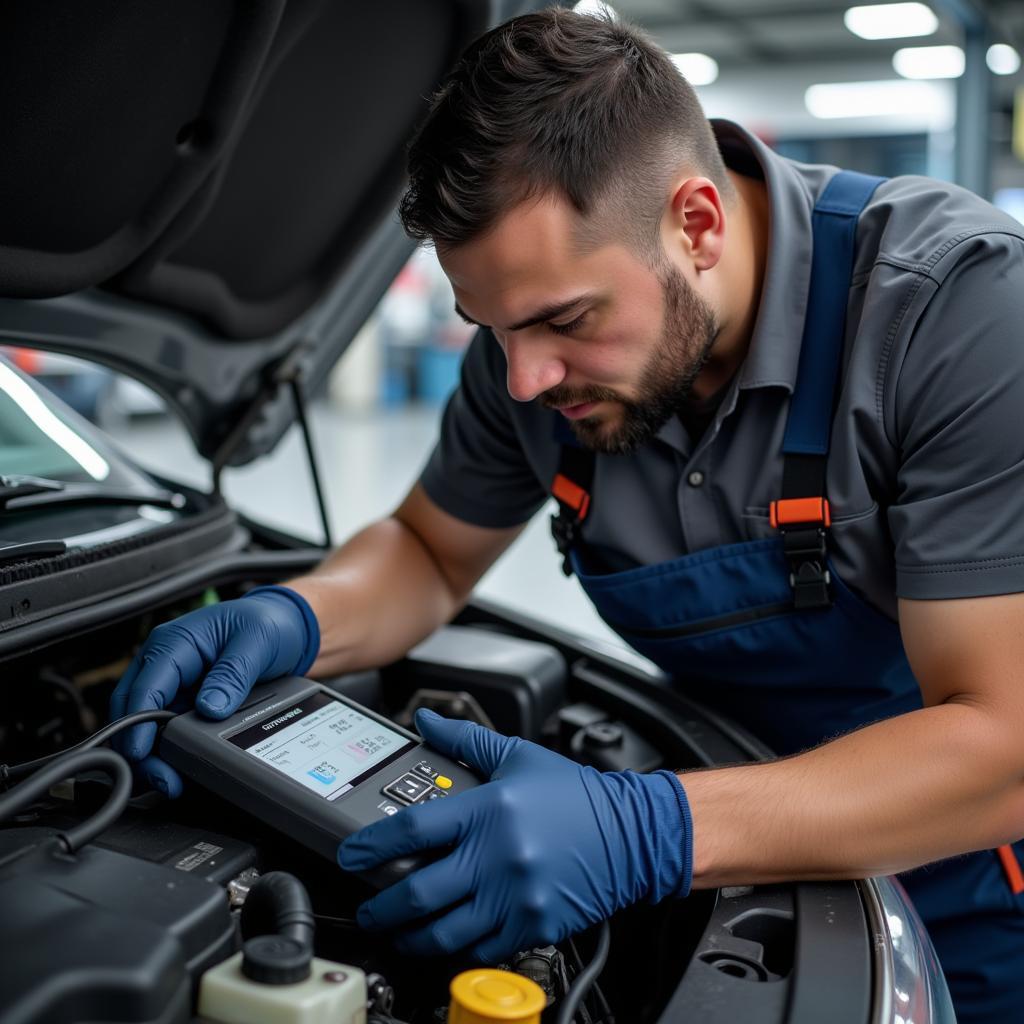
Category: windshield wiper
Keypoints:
(31, 549)
(17, 486)
(19, 492)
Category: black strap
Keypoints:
(805, 544)
(808, 426)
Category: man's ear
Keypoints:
(696, 221)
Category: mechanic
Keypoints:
(779, 407)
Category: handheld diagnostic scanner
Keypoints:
(314, 765)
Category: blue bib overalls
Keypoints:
(768, 633)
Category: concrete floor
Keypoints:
(367, 462)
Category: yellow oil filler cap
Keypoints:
(484, 996)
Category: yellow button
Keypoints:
(443, 781)
(485, 996)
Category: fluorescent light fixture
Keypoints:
(925, 62)
(891, 21)
(597, 9)
(1002, 59)
(873, 99)
(696, 68)
(33, 406)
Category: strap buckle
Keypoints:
(568, 493)
(566, 531)
(803, 523)
(573, 505)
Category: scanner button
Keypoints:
(443, 782)
(408, 788)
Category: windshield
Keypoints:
(40, 436)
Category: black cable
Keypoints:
(582, 982)
(577, 966)
(16, 771)
(71, 764)
(606, 1016)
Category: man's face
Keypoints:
(612, 343)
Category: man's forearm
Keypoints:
(375, 597)
(896, 794)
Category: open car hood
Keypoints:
(201, 193)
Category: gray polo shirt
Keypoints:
(926, 467)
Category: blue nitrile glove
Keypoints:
(545, 849)
(268, 633)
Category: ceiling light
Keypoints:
(597, 9)
(891, 21)
(1002, 59)
(696, 68)
(929, 62)
(873, 99)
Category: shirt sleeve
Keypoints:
(957, 521)
(478, 471)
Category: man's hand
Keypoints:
(543, 850)
(228, 647)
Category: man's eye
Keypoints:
(571, 326)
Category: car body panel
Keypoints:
(234, 166)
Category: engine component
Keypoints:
(240, 886)
(448, 703)
(278, 904)
(544, 966)
(518, 683)
(484, 996)
(277, 925)
(610, 746)
(276, 960)
(333, 993)
(380, 996)
(128, 936)
(210, 855)
(574, 717)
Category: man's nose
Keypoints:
(532, 368)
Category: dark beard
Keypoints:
(688, 335)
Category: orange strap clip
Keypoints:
(1011, 866)
(571, 494)
(789, 511)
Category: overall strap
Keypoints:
(802, 514)
(571, 489)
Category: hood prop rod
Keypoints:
(288, 374)
(307, 436)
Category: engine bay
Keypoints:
(134, 918)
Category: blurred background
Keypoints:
(907, 88)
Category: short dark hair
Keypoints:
(556, 102)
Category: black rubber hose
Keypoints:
(65, 767)
(582, 982)
(16, 771)
(278, 904)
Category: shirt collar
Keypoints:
(774, 352)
